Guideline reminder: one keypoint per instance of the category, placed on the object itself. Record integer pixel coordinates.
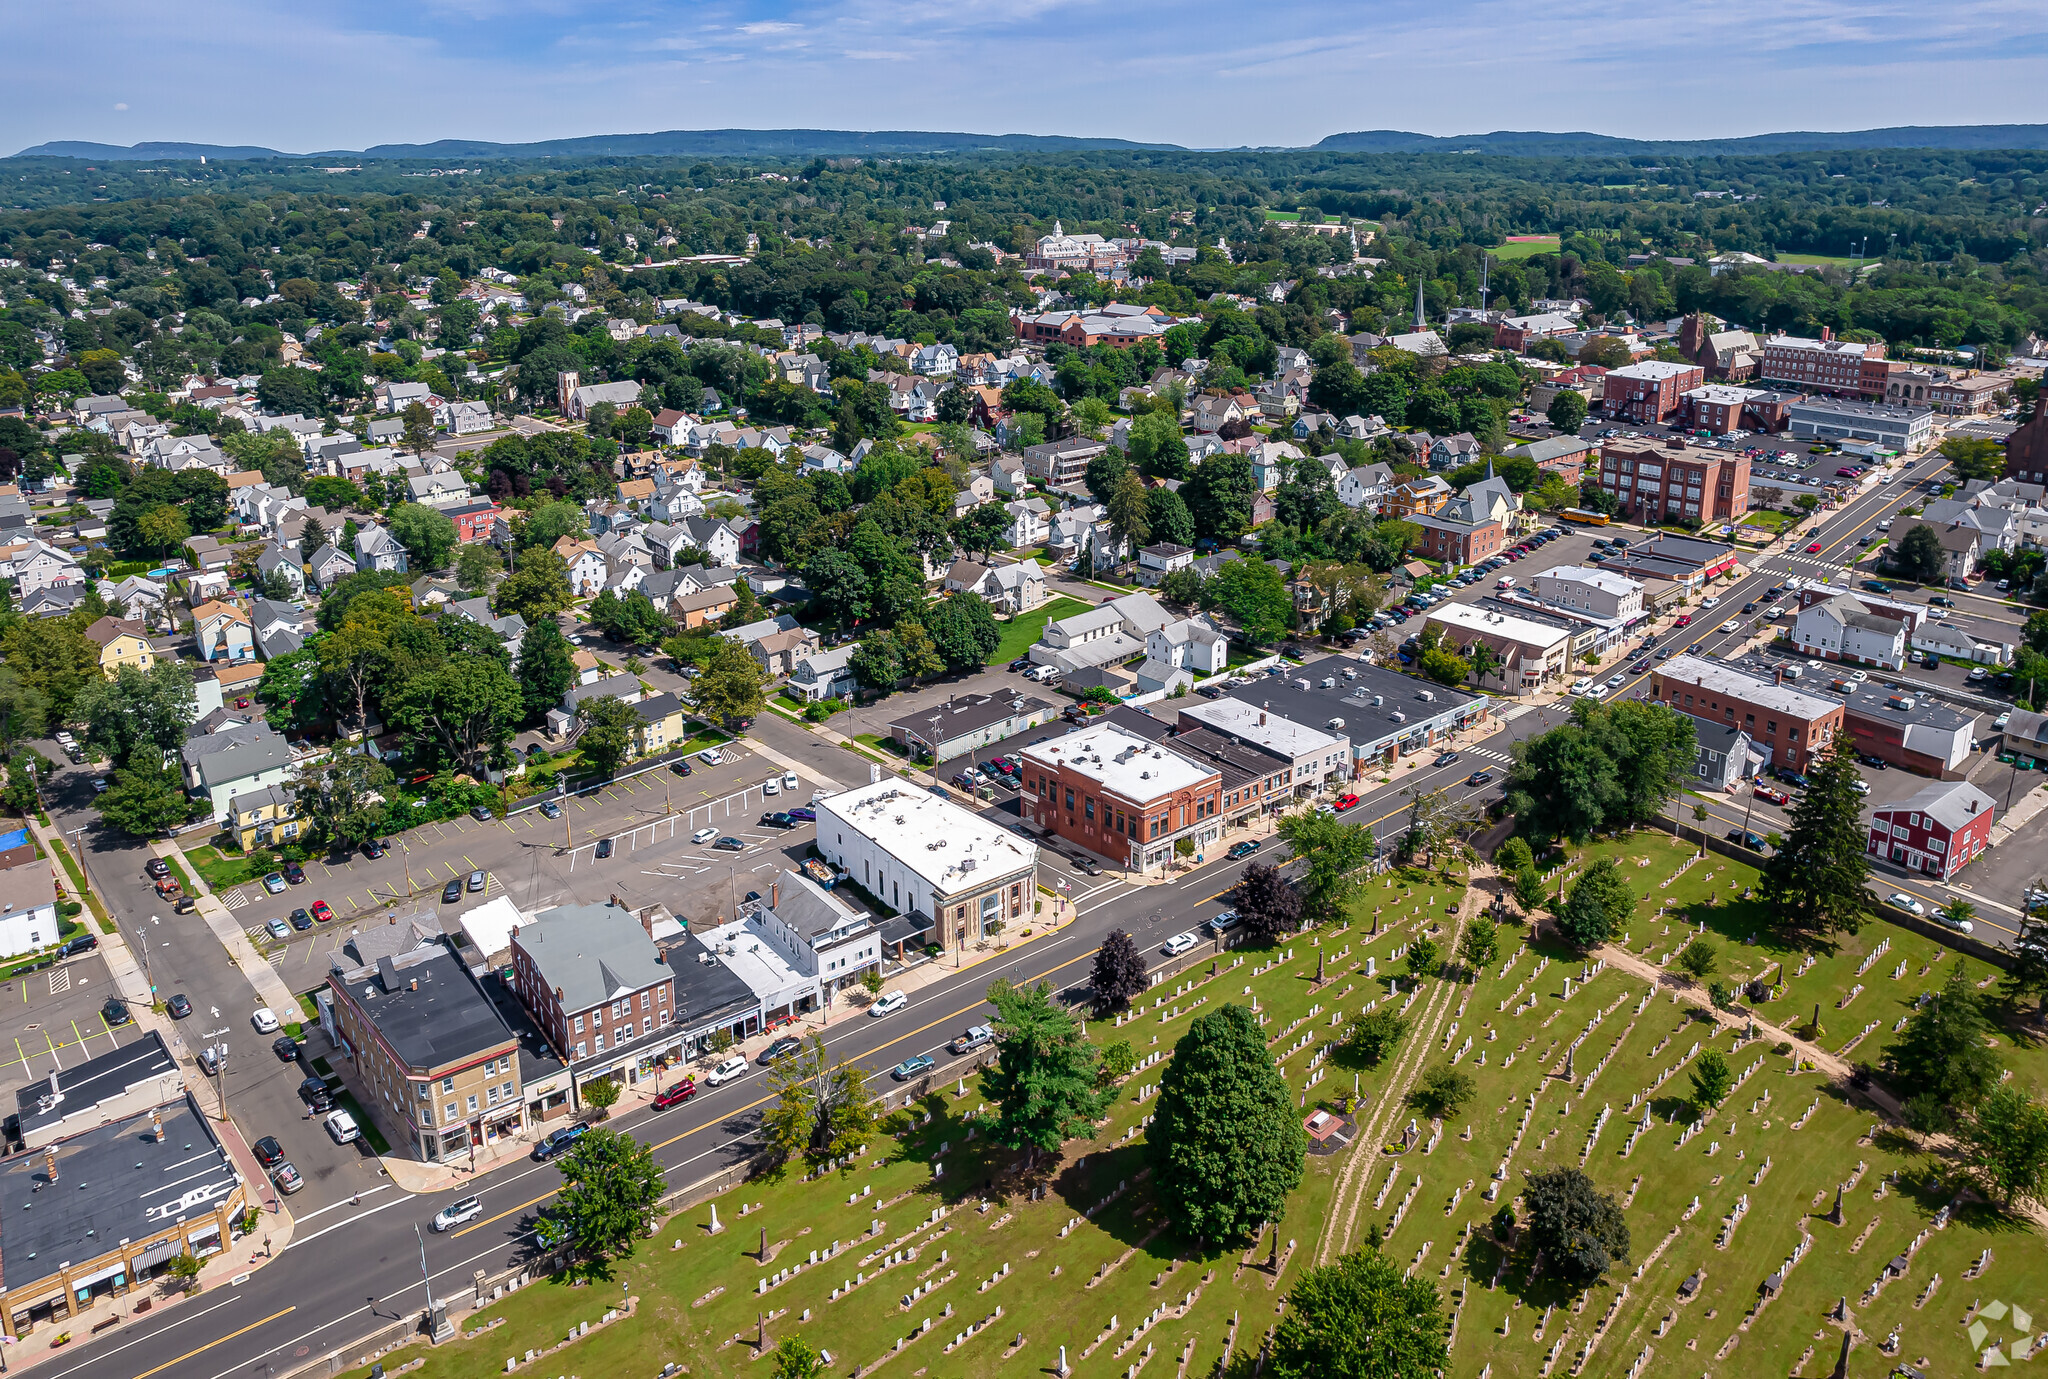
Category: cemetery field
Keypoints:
(1590, 1071)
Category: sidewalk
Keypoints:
(270, 988)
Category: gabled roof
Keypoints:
(592, 954)
(1951, 803)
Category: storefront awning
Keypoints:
(163, 1252)
(114, 1270)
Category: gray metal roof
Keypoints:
(591, 953)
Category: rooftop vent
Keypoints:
(1398, 716)
(1378, 700)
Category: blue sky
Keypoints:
(314, 74)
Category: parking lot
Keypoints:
(53, 1020)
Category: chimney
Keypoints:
(774, 893)
(1262, 718)
(1777, 675)
(413, 985)
(1826, 333)
(50, 1161)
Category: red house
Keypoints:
(473, 520)
(1937, 831)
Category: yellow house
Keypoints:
(264, 818)
(122, 642)
(662, 724)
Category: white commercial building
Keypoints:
(1590, 589)
(1530, 652)
(946, 873)
(1905, 430)
(1317, 754)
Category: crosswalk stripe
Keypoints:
(234, 900)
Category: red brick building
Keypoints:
(593, 979)
(1120, 796)
(1446, 538)
(2026, 450)
(1718, 408)
(473, 520)
(1797, 727)
(1936, 832)
(1650, 392)
(1838, 368)
(1673, 480)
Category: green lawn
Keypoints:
(879, 743)
(1020, 633)
(226, 870)
(1840, 260)
(1292, 216)
(1523, 248)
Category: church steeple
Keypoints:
(1421, 324)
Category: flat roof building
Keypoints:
(967, 722)
(1531, 653)
(1795, 726)
(951, 874)
(1121, 796)
(1903, 429)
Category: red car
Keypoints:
(676, 1095)
(1683, 620)
(1771, 793)
(321, 914)
(1346, 801)
(1813, 549)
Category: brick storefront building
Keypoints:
(1827, 365)
(1650, 392)
(1120, 796)
(1796, 727)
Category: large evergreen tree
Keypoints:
(1939, 1064)
(1226, 1144)
(1046, 1085)
(1579, 1228)
(1599, 904)
(1814, 884)
(1361, 1318)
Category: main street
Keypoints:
(300, 1306)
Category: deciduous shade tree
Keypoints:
(1939, 1063)
(2005, 1143)
(963, 631)
(1425, 959)
(984, 529)
(1333, 852)
(1046, 1086)
(1567, 411)
(1479, 945)
(427, 534)
(546, 669)
(1442, 1092)
(1814, 883)
(611, 1186)
(1711, 1079)
(1220, 496)
(463, 709)
(537, 588)
(1579, 1228)
(1226, 1143)
(138, 708)
(1599, 904)
(821, 1109)
(1919, 556)
(1250, 591)
(1119, 973)
(1611, 765)
(608, 727)
(338, 795)
(145, 798)
(2027, 976)
(1698, 960)
(633, 619)
(1374, 1033)
(1360, 1317)
(732, 686)
(1267, 904)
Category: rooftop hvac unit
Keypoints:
(1378, 699)
(1329, 682)
(1336, 723)
(1398, 716)
(1302, 684)
(1350, 674)
(1427, 696)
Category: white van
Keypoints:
(1042, 674)
(1504, 582)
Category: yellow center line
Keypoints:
(763, 1101)
(222, 1340)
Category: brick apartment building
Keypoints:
(1796, 727)
(1672, 480)
(1936, 832)
(1650, 392)
(593, 979)
(1121, 796)
(1718, 408)
(1446, 538)
(1827, 365)
(2026, 450)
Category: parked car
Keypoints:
(711, 756)
(1244, 849)
(1771, 793)
(286, 1177)
(729, 845)
(81, 943)
(294, 874)
(373, 849)
(156, 868)
(1178, 944)
(275, 884)
(804, 814)
(314, 1092)
(277, 928)
(777, 819)
(1747, 839)
(1948, 921)
(179, 1006)
(476, 880)
(1222, 924)
(480, 812)
(269, 1152)
(114, 1013)
(703, 835)
(457, 1212)
(1906, 903)
(675, 1095)
(550, 810)
(888, 1003)
(787, 1044)
(912, 1066)
(286, 1048)
(726, 1071)
(603, 849)
(264, 1019)
(452, 892)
